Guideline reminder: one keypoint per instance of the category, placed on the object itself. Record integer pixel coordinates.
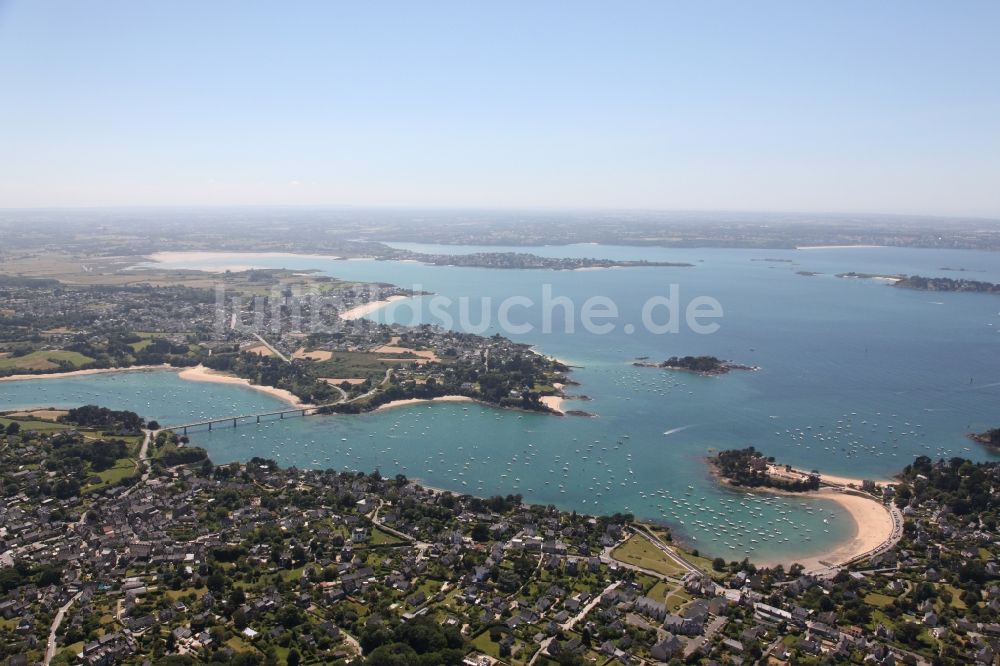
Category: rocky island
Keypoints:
(989, 438)
(701, 365)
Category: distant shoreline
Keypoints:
(198, 373)
(837, 247)
(90, 371)
(170, 257)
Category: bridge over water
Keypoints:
(233, 421)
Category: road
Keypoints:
(143, 460)
(542, 647)
(272, 348)
(667, 550)
(50, 649)
(385, 380)
(569, 624)
(420, 546)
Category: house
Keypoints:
(666, 649)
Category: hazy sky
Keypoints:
(810, 106)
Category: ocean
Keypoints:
(856, 378)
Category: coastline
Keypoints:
(873, 526)
(359, 311)
(200, 373)
(91, 371)
(555, 402)
(419, 401)
(873, 523)
(833, 479)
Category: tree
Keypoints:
(481, 532)
(719, 564)
(13, 428)
(293, 658)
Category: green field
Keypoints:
(31, 424)
(640, 552)
(878, 600)
(353, 364)
(44, 360)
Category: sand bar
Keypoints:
(419, 401)
(359, 311)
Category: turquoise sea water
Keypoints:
(856, 378)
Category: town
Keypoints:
(302, 334)
(125, 544)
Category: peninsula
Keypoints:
(921, 283)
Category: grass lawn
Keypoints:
(174, 595)
(382, 538)
(640, 552)
(660, 590)
(702, 563)
(483, 643)
(43, 360)
(239, 645)
(878, 600)
(676, 599)
(956, 597)
(71, 651)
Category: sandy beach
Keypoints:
(419, 401)
(873, 526)
(200, 373)
(79, 373)
(360, 311)
(554, 402)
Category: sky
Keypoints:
(845, 106)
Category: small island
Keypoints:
(989, 438)
(749, 468)
(709, 366)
